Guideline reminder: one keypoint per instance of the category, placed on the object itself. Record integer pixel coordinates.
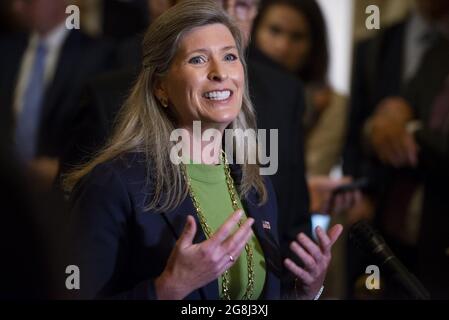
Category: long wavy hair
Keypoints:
(144, 125)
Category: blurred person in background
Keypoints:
(24, 271)
(119, 20)
(41, 74)
(384, 67)
(429, 97)
(122, 19)
(293, 34)
(32, 233)
(412, 132)
(129, 50)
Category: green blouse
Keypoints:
(210, 188)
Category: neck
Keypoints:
(204, 144)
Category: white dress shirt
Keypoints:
(416, 44)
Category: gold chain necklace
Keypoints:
(207, 230)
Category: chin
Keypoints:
(224, 116)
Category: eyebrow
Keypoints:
(206, 50)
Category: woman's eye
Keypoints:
(275, 30)
(197, 60)
(230, 57)
(298, 36)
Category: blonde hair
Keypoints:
(144, 125)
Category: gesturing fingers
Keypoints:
(240, 237)
(324, 241)
(299, 272)
(306, 258)
(225, 229)
(310, 247)
(234, 246)
(237, 250)
(334, 233)
(188, 233)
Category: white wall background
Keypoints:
(339, 19)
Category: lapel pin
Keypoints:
(266, 225)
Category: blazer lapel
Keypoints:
(176, 220)
(263, 220)
(265, 230)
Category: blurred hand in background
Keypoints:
(387, 133)
(323, 199)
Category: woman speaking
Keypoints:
(145, 227)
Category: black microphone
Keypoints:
(367, 239)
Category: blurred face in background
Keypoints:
(39, 15)
(244, 12)
(284, 35)
(206, 79)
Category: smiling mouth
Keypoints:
(218, 95)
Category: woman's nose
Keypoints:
(217, 73)
(281, 46)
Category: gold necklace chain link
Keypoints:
(207, 230)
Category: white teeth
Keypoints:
(217, 95)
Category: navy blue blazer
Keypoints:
(121, 249)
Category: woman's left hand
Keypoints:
(316, 259)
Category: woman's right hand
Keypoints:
(192, 266)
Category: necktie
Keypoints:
(28, 119)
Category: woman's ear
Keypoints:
(161, 92)
(159, 87)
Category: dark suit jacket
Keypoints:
(378, 70)
(129, 53)
(434, 164)
(123, 19)
(121, 249)
(81, 58)
(100, 102)
(21, 242)
(377, 73)
(278, 98)
(32, 234)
